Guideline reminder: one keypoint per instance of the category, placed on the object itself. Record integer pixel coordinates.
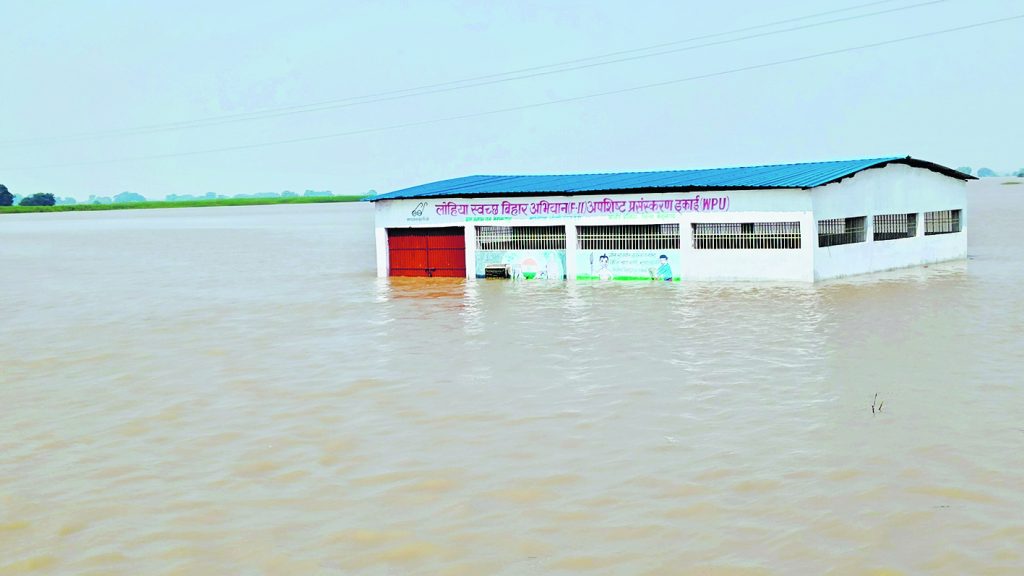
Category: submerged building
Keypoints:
(791, 222)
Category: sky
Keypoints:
(191, 97)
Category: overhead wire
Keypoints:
(521, 74)
(546, 102)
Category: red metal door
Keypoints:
(438, 252)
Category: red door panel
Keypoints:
(438, 252)
(447, 242)
(447, 262)
(402, 241)
(406, 262)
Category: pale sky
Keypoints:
(75, 71)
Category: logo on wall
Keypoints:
(417, 213)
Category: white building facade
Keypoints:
(748, 224)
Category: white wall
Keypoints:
(740, 206)
(788, 265)
(470, 235)
(383, 262)
(489, 210)
(894, 189)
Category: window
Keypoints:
(520, 238)
(746, 236)
(841, 231)
(941, 222)
(634, 237)
(894, 226)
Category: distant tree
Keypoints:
(1020, 173)
(986, 173)
(67, 201)
(288, 194)
(964, 169)
(93, 199)
(128, 197)
(6, 198)
(318, 193)
(38, 199)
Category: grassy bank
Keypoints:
(179, 204)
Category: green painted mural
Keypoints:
(525, 264)
(627, 265)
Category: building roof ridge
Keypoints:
(763, 176)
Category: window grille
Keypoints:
(841, 231)
(630, 237)
(894, 226)
(941, 222)
(746, 236)
(520, 237)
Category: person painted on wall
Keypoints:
(664, 271)
(553, 269)
(603, 272)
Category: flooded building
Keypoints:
(790, 222)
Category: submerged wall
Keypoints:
(791, 265)
(628, 264)
(524, 264)
(893, 189)
(679, 208)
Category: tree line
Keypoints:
(989, 173)
(37, 199)
(41, 199)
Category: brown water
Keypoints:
(231, 391)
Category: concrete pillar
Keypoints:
(470, 251)
(809, 245)
(809, 232)
(686, 251)
(382, 252)
(570, 252)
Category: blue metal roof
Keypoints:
(806, 175)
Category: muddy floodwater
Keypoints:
(232, 391)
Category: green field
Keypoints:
(179, 204)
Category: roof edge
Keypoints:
(455, 192)
(650, 189)
(907, 161)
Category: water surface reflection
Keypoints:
(232, 390)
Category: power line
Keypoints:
(547, 102)
(488, 79)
